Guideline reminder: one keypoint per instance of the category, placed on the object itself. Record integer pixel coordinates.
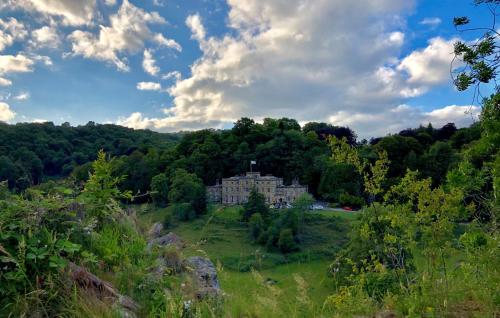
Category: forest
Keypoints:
(105, 221)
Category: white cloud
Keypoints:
(22, 96)
(430, 65)
(11, 30)
(69, 12)
(148, 86)
(433, 22)
(5, 82)
(110, 2)
(127, 33)
(149, 64)
(15, 64)
(197, 28)
(302, 59)
(158, 3)
(176, 75)
(45, 36)
(170, 43)
(403, 116)
(6, 114)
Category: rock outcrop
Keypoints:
(166, 240)
(155, 230)
(103, 290)
(205, 277)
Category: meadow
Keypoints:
(253, 277)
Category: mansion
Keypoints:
(235, 190)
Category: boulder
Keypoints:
(166, 240)
(103, 290)
(155, 230)
(205, 277)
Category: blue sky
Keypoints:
(167, 65)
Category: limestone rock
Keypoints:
(166, 240)
(103, 290)
(155, 230)
(205, 276)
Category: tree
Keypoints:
(159, 189)
(256, 204)
(301, 205)
(188, 188)
(101, 190)
(481, 59)
(286, 242)
(256, 226)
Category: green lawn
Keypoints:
(220, 236)
(350, 215)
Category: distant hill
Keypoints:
(32, 152)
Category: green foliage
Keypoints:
(286, 242)
(256, 204)
(101, 192)
(184, 211)
(337, 179)
(256, 226)
(159, 189)
(188, 188)
(355, 202)
(480, 57)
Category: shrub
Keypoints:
(184, 211)
(286, 243)
(159, 189)
(173, 259)
(167, 220)
(355, 202)
(256, 226)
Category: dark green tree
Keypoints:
(256, 204)
(159, 189)
(188, 188)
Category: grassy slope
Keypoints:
(220, 236)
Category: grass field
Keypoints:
(248, 271)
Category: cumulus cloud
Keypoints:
(6, 114)
(15, 64)
(149, 64)
(110, 2)
(69, 12)
(307, 60)
(127, 32)
(148, 86)
(303, 59)
(176, 75)
(403, 116)
(430, 65)
(433, 22)
(170, 43)
(45, 36)
(197, 28)
(11, 30)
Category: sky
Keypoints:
(377, 66)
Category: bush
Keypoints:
(355, 202)
(184, 211)
(256, 226)
(286, 243)
(167, 220)
(173, 259)
(159, 189)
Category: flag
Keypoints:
(253, 162)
